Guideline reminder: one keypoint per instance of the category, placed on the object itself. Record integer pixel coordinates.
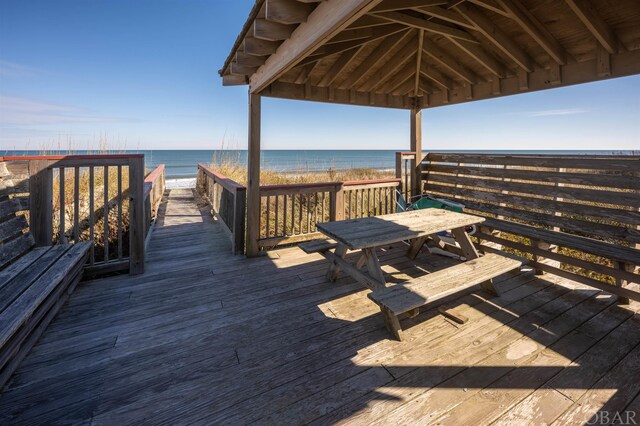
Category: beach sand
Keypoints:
(180, 183)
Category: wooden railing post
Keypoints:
(136, 215)
(41, 202)
(336, 203)
(399, 165)
(239, 213)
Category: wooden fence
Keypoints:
(228, 201)
(80, 197)
(584, 210)
(289, 213)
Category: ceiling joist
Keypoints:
(590, 18)
(493, 33)
(400, 58)
(338, 66)
(449, 63)
(332, 49)
(446, 15)
(422, 24)
(535, 29)
(372, 61)
(393, 5)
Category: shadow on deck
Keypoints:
(211, 338)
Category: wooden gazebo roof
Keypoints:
(428, 53)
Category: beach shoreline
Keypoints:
(180, 183)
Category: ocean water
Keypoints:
(183, 163)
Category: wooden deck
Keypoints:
(205, 337)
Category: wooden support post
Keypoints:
(623, 283)
(253, 172)
(136, 215)
(239, 212)
(416, 146)
(336, 204)
(41, 202)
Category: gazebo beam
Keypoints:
(327, 20)
(253, 176)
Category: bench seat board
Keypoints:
(402, 298)
(21, 264)
(24, 306)
(17, 284)
(589, 245)
(28, 334)
(318, 245)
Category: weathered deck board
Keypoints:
(207, 337)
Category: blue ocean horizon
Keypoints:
(183, 163)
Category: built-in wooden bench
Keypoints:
(34, 283)
(587, 205)
(318, 245)
(407, 297)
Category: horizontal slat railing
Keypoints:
(87, 197)
(228, 201)
(289, 213)
(594, 198)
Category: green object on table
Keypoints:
(430, 203)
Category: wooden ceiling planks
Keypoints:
(469, 50)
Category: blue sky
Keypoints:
(143, 75)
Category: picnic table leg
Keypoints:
(334, 268)
(416, 246)
(470, 252)
(392, 323)
(373, 266)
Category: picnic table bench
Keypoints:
(367, 234)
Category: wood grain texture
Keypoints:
(386, 229)
(207, 337)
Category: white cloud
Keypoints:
(14, 70)
(554, 112)
(18, 111)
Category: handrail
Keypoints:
(228, 202)
(321, 185)
(70, 157)
(154, 186)
(371, 181)
(223, 180)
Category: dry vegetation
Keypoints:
(84, 211)
(229, 164)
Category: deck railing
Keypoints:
(405, 172)
(80, 197)
(228, 201)
(154, 187)
(597, 197)
(289, 213)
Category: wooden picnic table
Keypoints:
(369, 233)
(417, 227)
